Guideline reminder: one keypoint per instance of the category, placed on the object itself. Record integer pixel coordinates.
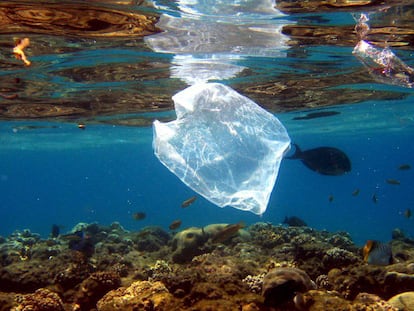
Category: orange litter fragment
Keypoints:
(18, 50)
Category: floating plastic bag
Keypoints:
(384, 65)
(223, 146)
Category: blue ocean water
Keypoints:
(105, 173)
(59, 174)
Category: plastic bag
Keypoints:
(384, 65)
(223, 146)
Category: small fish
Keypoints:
(55, 231)
(188, 202)
(139, 215)
(331, 198)
(314, 115)
(81, 126)
(393, 181)
(294, 221)
(404, 167)
(323, 160)
(407, 213)
(33, 127)
(377, 253)
(175, 224)
(355, 192)
(374, 198)
(81, 242)
(227, 232)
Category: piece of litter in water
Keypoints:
(223, 146)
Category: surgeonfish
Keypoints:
(323, 160)
(377, 253)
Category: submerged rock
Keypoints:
(187, 243)
(140, 295)
(41, 300)
(403, 301)
(281, 284)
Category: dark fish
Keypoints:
(377, 253)
(324, 160)
(331, 198)
(81, 242)
(404, 167)
(139, 215)
(175, 224)
(33, 127)
(188, 202)
(355, 192)
(407, 213)
(227, 232)
(393, 181)
(81, 126)
(374, 198)
(314, 115)
(294, 221)
(55, 231)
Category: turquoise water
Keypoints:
(105, 173)
(59, 174)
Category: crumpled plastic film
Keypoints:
(383, 65)
(223, 146)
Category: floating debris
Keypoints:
(377, 253)
(404, 167)
(188, 202)
(392, 181)
(355, 192)
(139, 216)
(18, 50)
(324, 160)
(314, 115)
(175, 224)
(294, 221)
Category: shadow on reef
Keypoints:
(218, 267)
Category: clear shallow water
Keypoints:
(60, 174)
(106, 173)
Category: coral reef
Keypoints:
(259, 268)
(281, 284)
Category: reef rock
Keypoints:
(41, 300)
(94, 287)
(315, 300)
(187, 243)
(281, 284)
(403, 301)
(140, 295)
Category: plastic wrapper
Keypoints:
(383, 65)
(223, 146)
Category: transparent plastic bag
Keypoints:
(383, 65)
(223, 146)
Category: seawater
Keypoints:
(60, 174)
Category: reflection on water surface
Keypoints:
(107, 58)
